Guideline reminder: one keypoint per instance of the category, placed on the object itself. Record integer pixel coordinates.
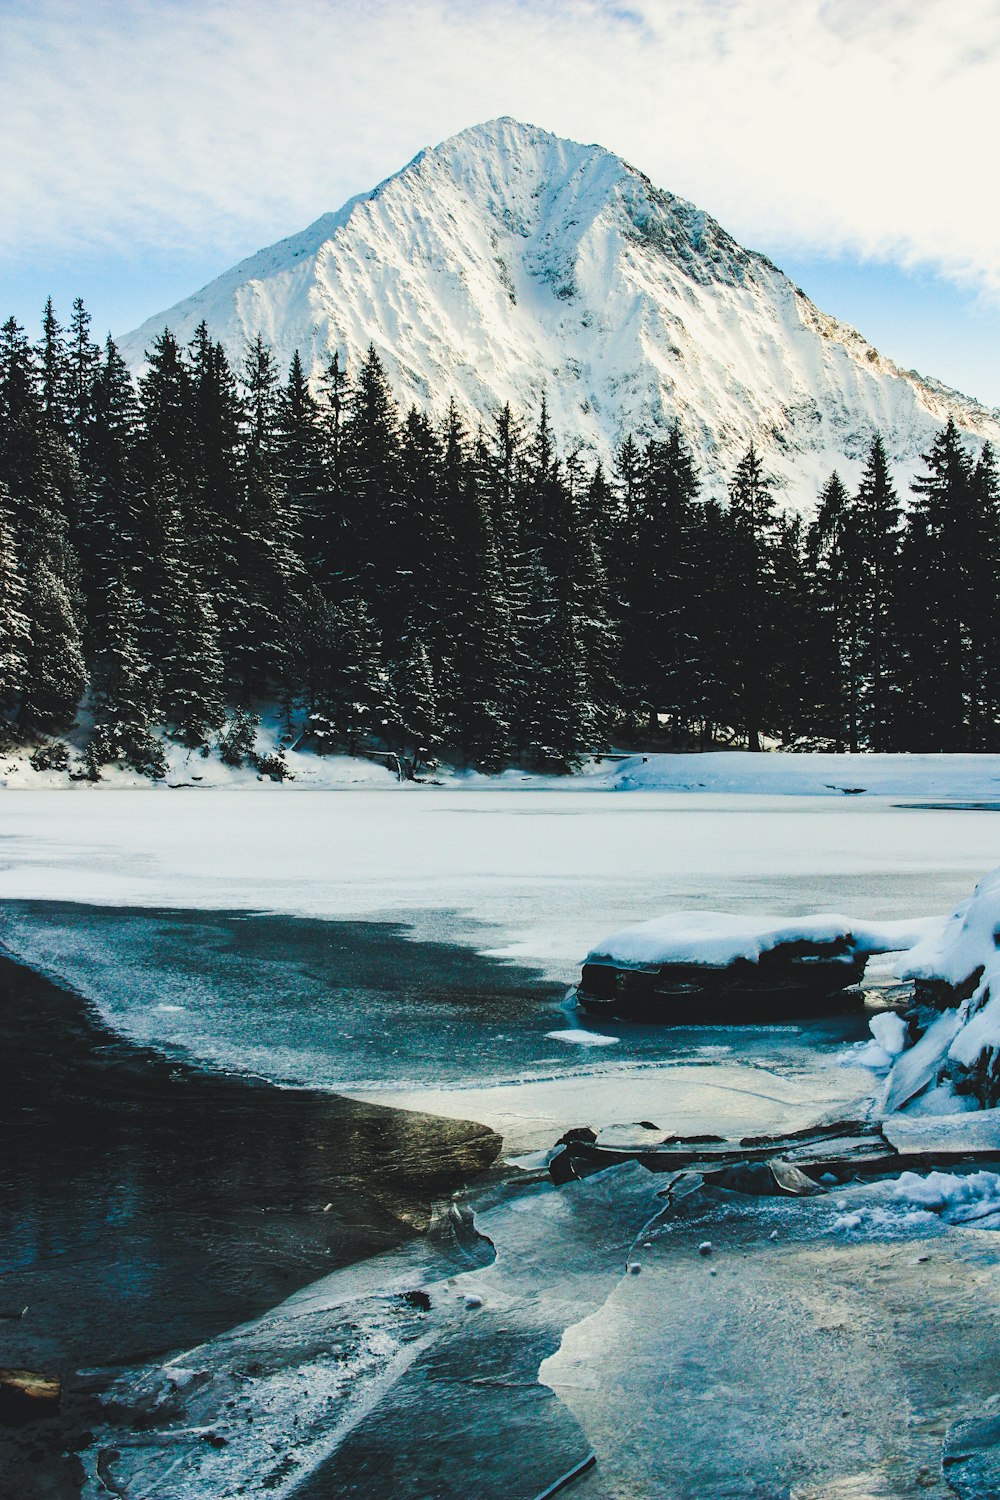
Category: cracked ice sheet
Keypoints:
(277, 1394)
(824, 1364)
(461, 1379)
(718, 1098)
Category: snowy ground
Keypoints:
(950, 778)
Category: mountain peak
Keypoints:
(508, 262)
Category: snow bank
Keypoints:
(851, 779)
(952, 778)
(966, 944)
(957, 1199)
(719, 938)
(961, 963)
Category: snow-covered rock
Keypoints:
(718, 939)
(961, 964)
(686, 964)
(507, 263)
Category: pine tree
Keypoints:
(792, 684)
(55, 675)
(371, 557)
(934, 598)
(418, 731)
(193, 671)
(427, 543)
(715, 623)
(166, 393)
(301, 465)
(125, 697)
(471, 660)
(333, 547)
(35, 469)
(14, 624)
(361, 708)
(879, 519)
(53, 366)
(656, 578)
(315, 638)
(836, 562)
(82, 362)
(110, 534)
(984, 609)
(755, 644)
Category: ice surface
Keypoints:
(719, 1098)
(802, 1367)
(953, 1133)
(532, 876)
(527, 877)
(921, 1065)
(339, 1379)
(536, 876)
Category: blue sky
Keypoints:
(146, 145)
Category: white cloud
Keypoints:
(857, 125)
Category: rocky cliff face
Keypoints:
(507, 263)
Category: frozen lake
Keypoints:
(536, 875)
(414, 947)
(528, 880)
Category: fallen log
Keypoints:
(845, 1148)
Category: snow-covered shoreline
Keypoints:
(946, 778)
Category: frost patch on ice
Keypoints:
(582, 1038)
(627, 1137)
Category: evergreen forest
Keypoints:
(178, 552)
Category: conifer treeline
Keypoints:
(174, 553)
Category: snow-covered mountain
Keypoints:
(508, 262)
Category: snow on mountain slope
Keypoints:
(507, 263)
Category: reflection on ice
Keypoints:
(797, 1359)
(398, 1377)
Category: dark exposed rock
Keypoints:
(941, 995)
(418, 1299)
(765, 1179)
(782, 981)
